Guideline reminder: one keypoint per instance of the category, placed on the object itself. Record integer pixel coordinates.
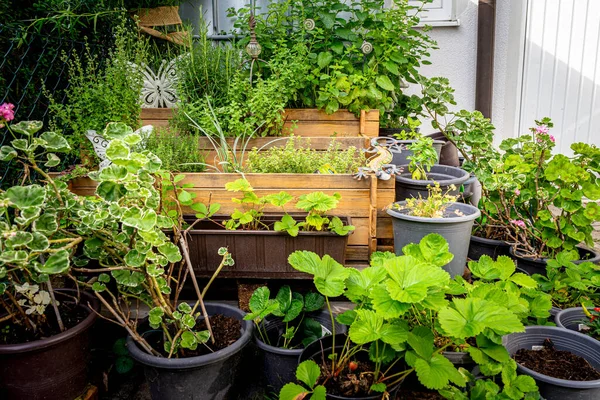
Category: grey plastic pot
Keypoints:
(564, 339)
(212, 376)
(454, 228)
(449, 154)
(280, 364)
(538, 265)
(399, 150)
(406, 187)
(490, 247)
(571, 318)
(554, 311)
(322, 347)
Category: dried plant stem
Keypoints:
(186, 255)
(61, 326)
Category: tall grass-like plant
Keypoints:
(100, 93)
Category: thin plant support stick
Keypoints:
(61, 326)
(186, 255)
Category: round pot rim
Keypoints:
(444, 182)
(595, 255)
(54, 340)
(197, 361)
(495, 242)
(555, 381)
(565, 311)
(475, 213)
(276, 350)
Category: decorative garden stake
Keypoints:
(253, 48)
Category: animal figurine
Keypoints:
(379, 164)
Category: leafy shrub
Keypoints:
(177, 152)
(296, 157)
(100, 94)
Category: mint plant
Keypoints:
(291, 308)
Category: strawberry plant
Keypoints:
(291, 308)
(315, 204)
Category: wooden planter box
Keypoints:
(259, 254)
(364, 201)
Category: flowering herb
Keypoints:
(6, 113)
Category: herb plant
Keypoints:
(100, 93)
(291, 308)
(296, 157)
(179, 153)
(433, 206)
(423, 158)
(593, 323)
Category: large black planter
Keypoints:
(538, 265)
(50, 369)
(280, 364)
(454, 228)
(490, 247)
(406, 187)
(323, 346)
(563, 339)
(211, 377)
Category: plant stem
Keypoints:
(61, 326)
(186, 255)
(332, 334)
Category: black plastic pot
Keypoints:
(571, 318)
(454, 228)
(449, 153)
(322, 347)
(563, 339)
(490, 247)
(280, 364)
(538, 265)
(406, 187)
(212, 376)
(50, 369)
(460, 359)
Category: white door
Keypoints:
(561, 70)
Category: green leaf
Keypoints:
(57, 263)
(287, 224)
(329, 275)
(469, 317)
(327, 19)
(379, 387)
(360, 283)
(188, 340)
(113, 173)
(135, 258)
(53, 160)
(26, 196)
(7, 153)
(171, 251)
(410, 280)
(292, 391)
(259, 299)
(524, 280)
(313, 302)
(385, 83)
(26, 127)
(116, 150)
(18, 239)
(436, 372)
(294, 310)
(55, 142)
(111, 191)
(421, 341)
(39, 242)
(124, 364)
(386, 306)
(394, 332)
(591, 190)
(366, 328)
(324, 58)
(128, 278)
(116, 130)
(308, 372)
(284, 298)
(143, 220)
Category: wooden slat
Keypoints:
(316, 143)
(384, 228)
(357, 253)
(156, 113)
(157, 123)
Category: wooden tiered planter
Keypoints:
(364, 201)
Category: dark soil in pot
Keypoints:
(408, 394)
(52, 367)
(339, 387)
(479, 246)
(538, 265)
(558, 364)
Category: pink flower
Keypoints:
(518, 223)
(6, 113)
(552, 138)
(542, 129)
(517, 192)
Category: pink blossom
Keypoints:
(518, 223)
(517, 192)
(6, 113)
(542, 129)
(552, 138)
